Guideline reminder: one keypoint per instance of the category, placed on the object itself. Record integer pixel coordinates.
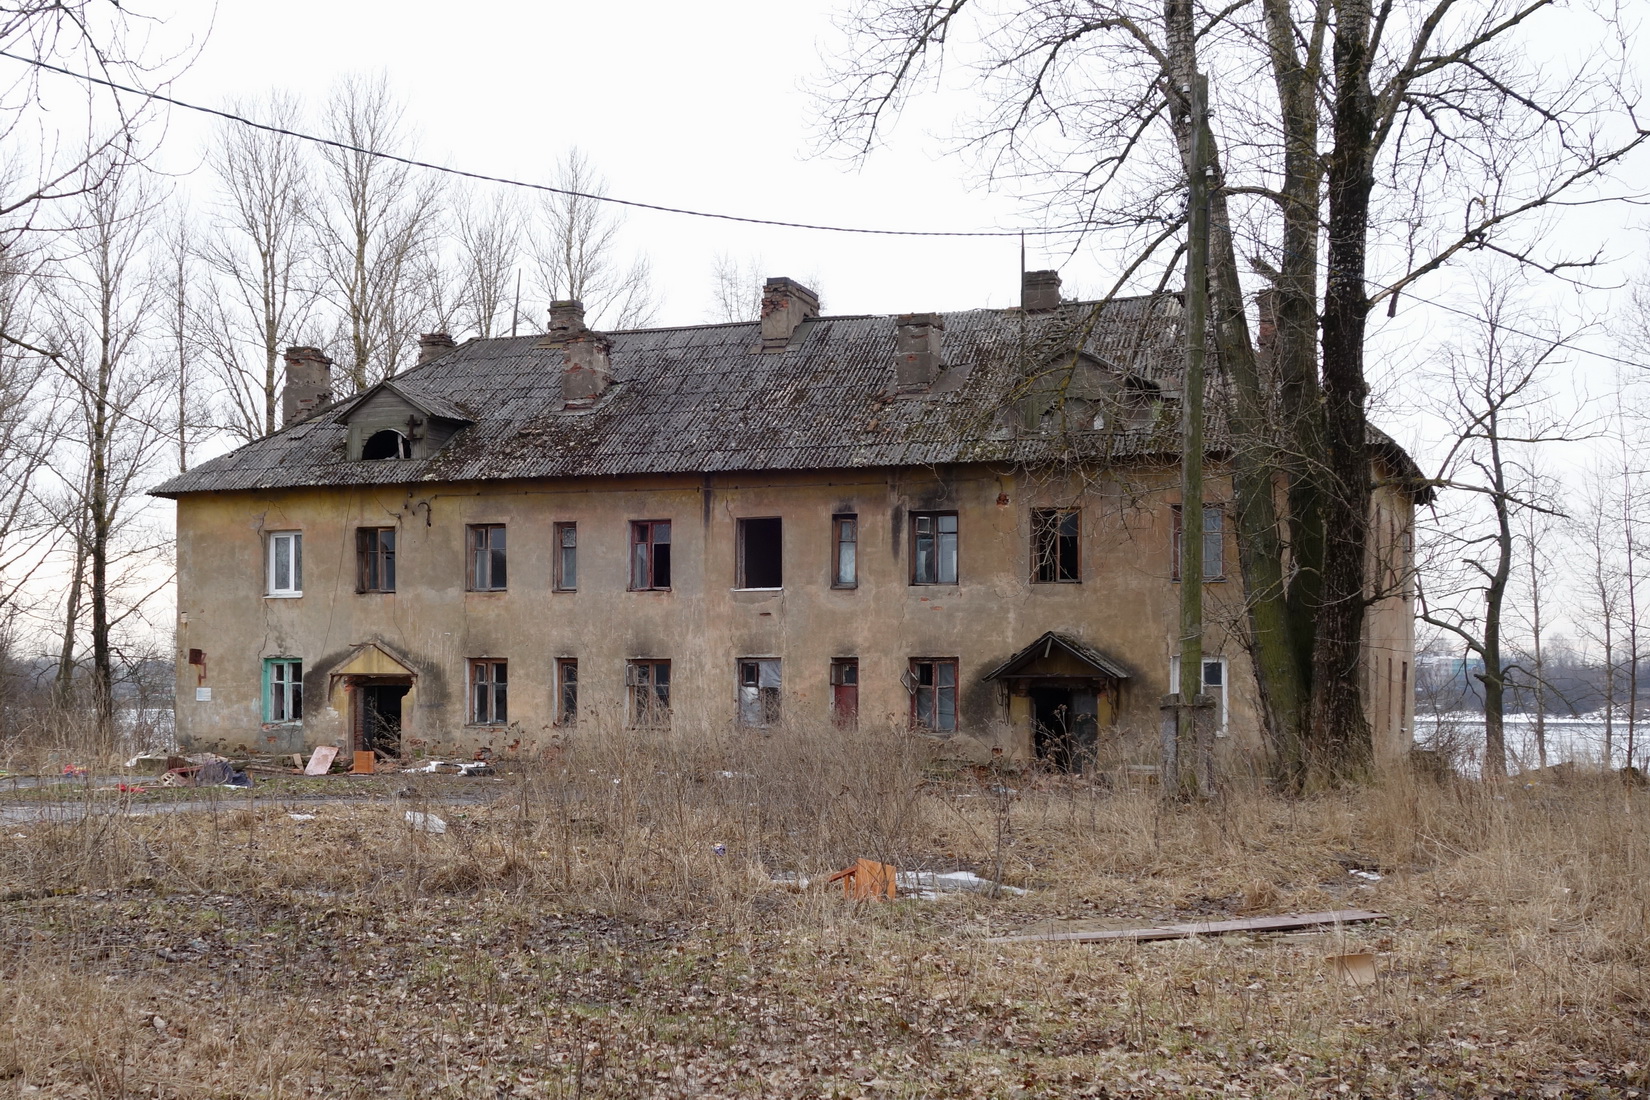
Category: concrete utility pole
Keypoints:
(1188, 742)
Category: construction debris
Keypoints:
(320, 761)
(1285, 923)
(868, 879)
(929, 885)
(1355, 969)
(453, 767)
(426, 823)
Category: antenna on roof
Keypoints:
(515, 316)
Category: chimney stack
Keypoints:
(786, 303)
(917, 350)
(587, 369)
(433, 345)
(1039, 291)
(1266, 324)
(308, 384)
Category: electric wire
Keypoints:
(482, 177)
(1530, 335)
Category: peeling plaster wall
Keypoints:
(1126, 606)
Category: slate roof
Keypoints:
(703, 399)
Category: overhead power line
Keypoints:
(633, 203)
(1531, 335)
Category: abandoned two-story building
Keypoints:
(963, 524)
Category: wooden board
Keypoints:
(1285, 923)
(321, 759)
(363, 763)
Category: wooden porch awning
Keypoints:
(373, 659)
(1034, 660)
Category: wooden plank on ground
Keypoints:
(1287, 922)
(321, 759)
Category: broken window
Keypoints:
(286, 563)
(649, 684)
(567, 557)
(933, 548)
(1214, 542)
(761, 553)
(388, 443)
(845, 690)
(649, 554)
(845, 554)
(283, 690)
(375, 559)
(487, 573)
(1054, 545)
(567, 687)
(932, 682)
(489, 693)
(758, 691)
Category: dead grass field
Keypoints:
(578, 936)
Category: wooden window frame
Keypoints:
(567, 691)
(283, 693)
(934, 531)
(741, 579)
(845, 550)
(649, 707)
(1217, 510)
(844, 674)
(936, 689)
(762, 708)
(485, 560)
(566, 550)
(489, 691)
(374, 561)
(644, 555)
(1046, 538)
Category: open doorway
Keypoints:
(1064, 727)
(378, 716)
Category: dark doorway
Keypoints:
(378, 724)
(1064, 727)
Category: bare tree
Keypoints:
(376, 230)
(259, 252)
(736, 288)
(1498, 410)
(487, 236)
(1387, 144)
(576, 252)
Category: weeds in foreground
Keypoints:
(607, 924)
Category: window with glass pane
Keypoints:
(567, 682)
(286, 563)
(758, 691)
(649, 554)
(487, 571)
(845, 538)
(1054, 545)
(283, 690)
(489, 693)
(933, 685)
(933, 548)
(1214, 542)
(649, 685)
(375, 559)
(567, 557)
(845, 690)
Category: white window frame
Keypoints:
(1221, 697)
(295, 558)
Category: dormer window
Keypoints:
(388, 443)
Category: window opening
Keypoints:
(487, 566)
(286, 563)
(489, 693)
(758, 692)
(845, 557)
(1214, 685)
(934, 548)
(283, 690)
(567, 699)
(649, 685)
(1214, 542)
(845, 690)
(650, 554)
(1054, 545)
(387, 443)
(761, 553)
(375, 559)
(567, 557)
(933, 686)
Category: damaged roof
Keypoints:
(705, 399)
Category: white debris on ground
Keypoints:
(452, 767)
(1367, 876)
(426, 823)
(302, 817)
(921, 885)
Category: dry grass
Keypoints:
(578, 936)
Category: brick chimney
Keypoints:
(433, 345)
(1266, 325)
(587, 369)
(917, 350)
(308, 384)
(786, 303)
(1039, 291)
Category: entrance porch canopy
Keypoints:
(1037, 661)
